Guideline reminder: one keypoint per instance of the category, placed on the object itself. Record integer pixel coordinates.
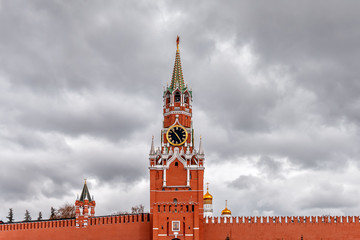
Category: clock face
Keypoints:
(176, 135)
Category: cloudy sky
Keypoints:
(276, 98)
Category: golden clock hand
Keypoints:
(176, 135)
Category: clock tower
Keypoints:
(176, 167)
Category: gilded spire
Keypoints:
(177, 43)
(177, 80)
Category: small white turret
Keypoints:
(201, 150)
(152, 149)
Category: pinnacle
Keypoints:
(201, 150)
(177, 80)
(85, 194)
(152, 149)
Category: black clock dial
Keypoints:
(176, 135)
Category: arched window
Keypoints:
(176, 164)
(167, 99)
(186, 98)
(177, 97)
(175, 201)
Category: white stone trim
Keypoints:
(188, 177)
(164, 178)
(175, 156)
(177, 112)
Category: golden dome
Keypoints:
(226, 211)
(207, 195)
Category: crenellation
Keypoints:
(288, 220)
(42, 224)
(141, 218)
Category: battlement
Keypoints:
(65, 223)
(117, 219)
(56, 223)
(282, 227)
(282, 220)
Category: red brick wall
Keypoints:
(176, 175)
(330, 230)
(136, 228)
(112, 227)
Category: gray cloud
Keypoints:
(246, 182)
(328, 196)
(270, 167)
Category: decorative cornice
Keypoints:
(178, 112)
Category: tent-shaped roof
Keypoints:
(85, 194)
(177, 80)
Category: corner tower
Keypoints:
(176, 168)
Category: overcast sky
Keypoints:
(276, 97)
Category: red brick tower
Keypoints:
(176, 168)
(82, 207)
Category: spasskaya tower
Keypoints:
(176, 167)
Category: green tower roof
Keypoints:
(177, 80)
(85, 194)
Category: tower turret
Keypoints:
(176, 171)
(82, 207)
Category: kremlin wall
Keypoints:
(179, 209)
(139, 227)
